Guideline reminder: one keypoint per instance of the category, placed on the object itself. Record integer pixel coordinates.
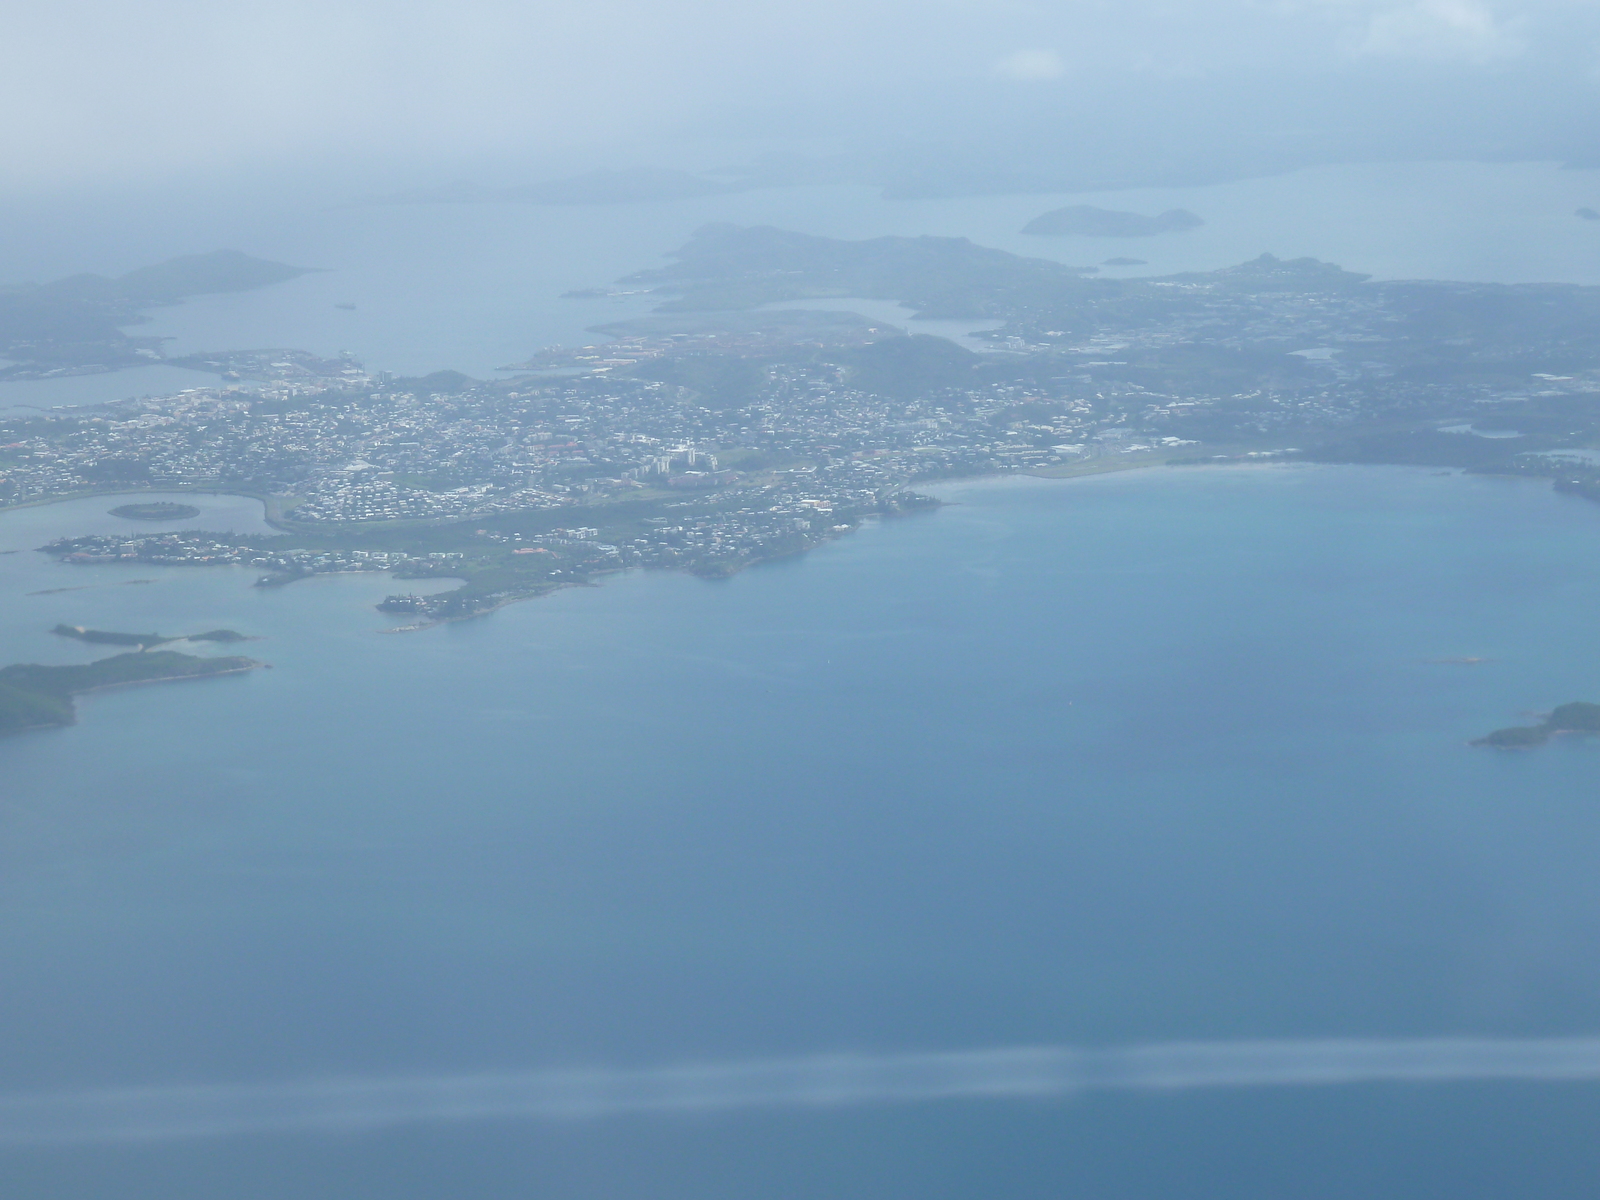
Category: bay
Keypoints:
(33, 397)
(473, 287)
(1158, 755)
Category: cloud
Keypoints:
(343, 1105)
(164, 90)
(1032, 65)
(1443, 29)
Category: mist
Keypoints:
(337, 98)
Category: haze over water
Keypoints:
(1168, 754)
(474, 287)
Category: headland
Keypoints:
(33, 696)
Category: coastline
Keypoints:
(253, 665)
(66, 698)
(1086, 469)
(725, 571)
(483, 612)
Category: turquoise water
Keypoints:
(1160, 755)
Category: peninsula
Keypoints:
(33, 696)
(1577, 717)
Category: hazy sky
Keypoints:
(99, 89)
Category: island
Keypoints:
(33, 696)
(1577, 717)
(1587, 214)
(145, 641)
(156, 510)
(1085, 220)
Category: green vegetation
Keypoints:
(905, 367)
(723, 381)
(1577, 717)
(22, 708)
(158, 510)
(34, 696)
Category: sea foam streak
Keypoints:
(331, 1105)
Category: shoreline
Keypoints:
(1065, 473)
(254, 665)
(708, 576)
(1062, 474)
(484, 612)
(273, 514)
(69, 697)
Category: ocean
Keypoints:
(1165, 755)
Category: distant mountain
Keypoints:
(204, 274)
(1269, 273)
(75, 323)
(1085, 220)
(730, 267)
(170, 281)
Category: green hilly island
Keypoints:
(33, 696)
(1577, 717)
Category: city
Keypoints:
(711, 441)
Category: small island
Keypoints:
(1085, 220)
(157, 510)
(1577, 717)
(33, 696)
